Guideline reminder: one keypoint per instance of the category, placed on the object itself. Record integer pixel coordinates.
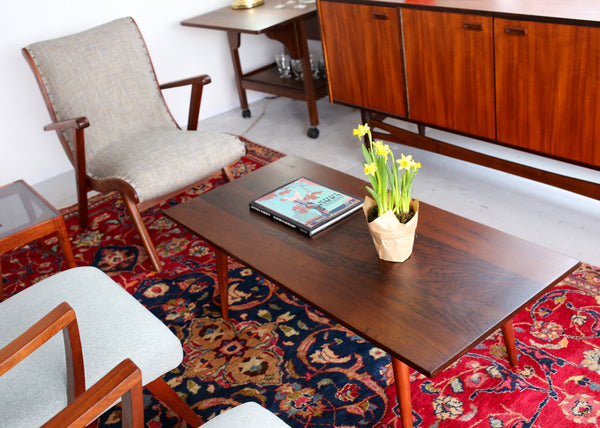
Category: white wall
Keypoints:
(177, 52)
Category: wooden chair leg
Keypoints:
(167, 395)
(228, 174)
(143, 232)
(82, 205)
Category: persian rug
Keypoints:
(303, 366)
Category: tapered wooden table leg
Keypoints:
(508, 332)
(223, 278)
(402, 379)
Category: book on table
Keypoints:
(307, 205)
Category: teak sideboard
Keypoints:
(524, 74)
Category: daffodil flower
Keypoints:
(381, 149)
(403, 162)
(390, 186)
(370, 168)
(362, 130)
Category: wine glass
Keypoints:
(297, 69)
(284, 65)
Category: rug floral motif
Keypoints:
(308, 369)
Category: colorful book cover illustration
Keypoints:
(307, 205)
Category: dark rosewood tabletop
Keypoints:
(462, 282)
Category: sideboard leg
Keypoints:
(364, 116)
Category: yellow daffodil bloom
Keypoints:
(403, 162)
(361, 130)
(370, 169)
(381, 149)
(390, 187)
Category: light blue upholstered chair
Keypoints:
(102, 80)
(247, 415)
(113, 329)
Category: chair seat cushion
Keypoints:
(156, 162)
(247, 415)
(113, 326)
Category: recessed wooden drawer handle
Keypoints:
(515, 31)
(382, 16)
(472, 26)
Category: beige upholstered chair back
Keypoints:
(104, 74)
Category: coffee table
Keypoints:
(463, 281)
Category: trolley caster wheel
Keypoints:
(313, 132)
(246, 113)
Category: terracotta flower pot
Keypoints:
(393, 240)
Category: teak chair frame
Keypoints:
(85, 406)
(85, 183)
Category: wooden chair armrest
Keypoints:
(197, 84)
(62, 318)
(124, 381)
(76, 153)
(77, 123)
(202, 80)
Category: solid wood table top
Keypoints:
(253, 21)
(462, 282)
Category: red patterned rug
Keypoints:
(304, 367)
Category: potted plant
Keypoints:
(392, 214)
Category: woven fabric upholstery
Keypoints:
(113, 326)
(106, 75)
(156, 162)
(247, 415)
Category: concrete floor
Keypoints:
(551, 217)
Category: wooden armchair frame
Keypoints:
(124, 381)
(76, 126)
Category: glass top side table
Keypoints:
(26, 216)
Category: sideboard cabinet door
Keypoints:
(363, 52)
(548, 88)
(450, 70)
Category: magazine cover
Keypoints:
(307, 205)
